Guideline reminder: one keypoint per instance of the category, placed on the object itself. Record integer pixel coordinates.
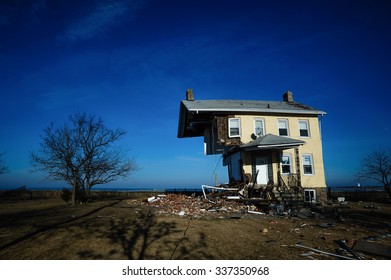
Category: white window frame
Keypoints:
(311, 164)
(286, 124)
(290, 164)
(262, 127)
(230, 126)
(307, 123)
(310, 195)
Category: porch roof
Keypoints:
(270, 141)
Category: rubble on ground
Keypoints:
(184, 205)
(327, 223)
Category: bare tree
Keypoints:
(3, 168)
(377, 166)
(81, 152)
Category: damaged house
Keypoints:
(267, 145)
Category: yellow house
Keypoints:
(275, 144)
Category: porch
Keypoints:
(267, 168)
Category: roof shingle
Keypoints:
(270, 140)
(259, 106)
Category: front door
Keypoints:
(261, 164)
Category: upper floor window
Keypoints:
(259, 127)
(286, 164)
(308, 164)
(304, 128)
(283, 127)
(233, 127)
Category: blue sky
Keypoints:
(130, 63)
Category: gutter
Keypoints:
(256, 110)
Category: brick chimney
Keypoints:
(189, 95)
(288, 97)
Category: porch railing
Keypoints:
(291, 185)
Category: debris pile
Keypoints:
(318, 232)
(182, 205)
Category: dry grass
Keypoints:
(129, 229)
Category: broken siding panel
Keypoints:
(222, 132)
(222, 129)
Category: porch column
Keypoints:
(279, 156)
(297, 157)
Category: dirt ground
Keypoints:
(135, 229)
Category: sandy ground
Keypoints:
(134, 229)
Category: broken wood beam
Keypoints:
(343, 245)
(372, 248)
(216, 188)
(322, 252)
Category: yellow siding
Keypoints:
(313, 144)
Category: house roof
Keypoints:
(196, 115)
(270, 141)
(251, 106)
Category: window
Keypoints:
(259, 127)
(304, 128)
(286, 164)
(234, 127)
(310, 196)
(283, 127)
(308, 168)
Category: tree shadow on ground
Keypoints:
(138, 236)
(43, 220)
(188, 249)
(144, 237)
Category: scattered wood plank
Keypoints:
(372, 248)
(323, 252)
(345, 246)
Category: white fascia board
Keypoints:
(255, 110)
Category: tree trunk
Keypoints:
(74, 191)
(386, 184)
(88, 193)
(88, 190)
(387, 188)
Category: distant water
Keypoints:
(103, 188)
(173, 189)
(355, 188)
